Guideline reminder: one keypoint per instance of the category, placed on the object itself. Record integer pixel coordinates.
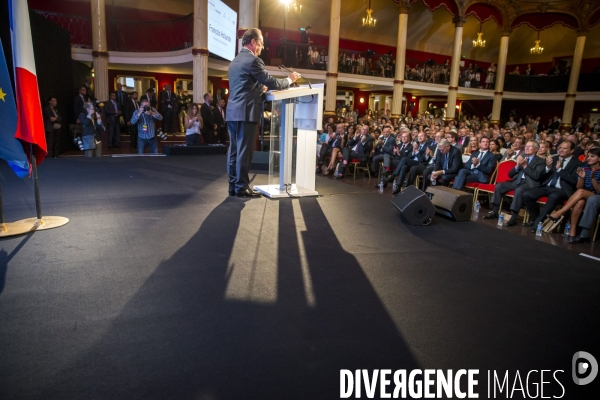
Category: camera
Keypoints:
(161, 134)
(78, 142)
(147, 108)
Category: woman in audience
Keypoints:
(502, 143)
(544, 149)
(490, 77)
(495, 149)
(193, 124)
(587, 185)
(473, 146)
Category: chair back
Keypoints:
(503, 169)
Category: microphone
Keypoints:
(282, 67)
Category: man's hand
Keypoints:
(52, 119)
(559, 162)
(522, 161)
(264, 89)
(428, 152)
(475, 161)
(294, 76)
(549, 162)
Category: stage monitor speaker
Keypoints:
(415, 207)
(452, 203)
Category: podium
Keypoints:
(296, 115)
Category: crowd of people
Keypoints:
(127, 112)
(562, 165)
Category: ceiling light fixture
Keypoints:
(479, 42)
(292, 6)
(369, 21)
(537, 49)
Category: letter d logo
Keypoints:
(590, 366)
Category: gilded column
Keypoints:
(99, 49)
(248, 18)
(332, 64)
(200, 50)
(500, 73)
(400, 60)
(454, 68)
(573, 80)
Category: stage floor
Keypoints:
(163, 287)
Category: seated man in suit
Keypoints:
(359, 147)
(384, 150)
(515, 149)
(452, 138)
(446, 166)
(402, 148)
(479, 167)
(417, 155)
(559, 181)
(526, 175)
(433, 152)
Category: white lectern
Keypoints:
(295, 118)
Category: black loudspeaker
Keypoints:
(415, 207)
(452, 203)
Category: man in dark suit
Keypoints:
(112, 112)
(559, 181)
(121, 96)
(150, 97)
(79, 103)
(129, 108)
(209, 127)
(384, 149)
(88, 88)
(526, 175)
(220, 120)
(359, 147)
(168, 102)
(463, 138)
(248, 79)
(417, 155)
(52, 125)
(447, 164)
(432, 152)
(402, 149)
(479, 167)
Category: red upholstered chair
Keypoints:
(363, 166)
(475, 185)
(501, 176)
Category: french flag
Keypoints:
(30, 124)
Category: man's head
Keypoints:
(451, 137)
(52, 101)
(83, 90)
(339, 129)
(531, 148)
(144, 103)
(113, 96)
(168, 88)
(221, 103)
(88, 80)
(208, 98)
(386, 131)
(573, 139)
(565, 149)
(518, 143)
(405, 136)
(134, 95)
(119, 86)
(421, 137)
(484, 144)
(462, 132)
(253, 41)
(444, 146)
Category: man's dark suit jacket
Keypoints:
(218, 118)
(404, 152)
(387, 147)
(485, 166)
(151, 100)
(47, 114)
(364, 149)
(208, 119)
(121, 97)
(568, 175)
(110, 112)
(533, 172)
(465, 143)
(78, 106)
(422, 157)
(454, 161)
(167, 99)
(128, 110)
(247, 76)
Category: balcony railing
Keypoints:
(79, 27)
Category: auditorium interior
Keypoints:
(163, 286)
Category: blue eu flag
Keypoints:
(11, 149)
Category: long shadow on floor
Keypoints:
(179, 337)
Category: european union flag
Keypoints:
(11, 149)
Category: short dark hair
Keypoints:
(205, 95)
(249, 35)
(595, 151)
(132, 93)
(571, 144)
(50, 99)
(151, 90)
(332, 126)
(453, 134)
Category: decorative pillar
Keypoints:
(99, 49)
(400, 60)
(200, 50)
(248, 15)
(332, 65)
(573, 80)
(500, 73)
(346, 98)
(454, 68)
(372, 102)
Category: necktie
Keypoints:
(555, 175)
(445, 161)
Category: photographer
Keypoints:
(144, 118)
(91, 123)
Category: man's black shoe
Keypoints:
(248, 193)
(490, 215)
(232, 189)
(530, 223)
(511, 222)
(578, 239)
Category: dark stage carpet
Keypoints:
(162, 287)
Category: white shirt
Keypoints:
(565, 162)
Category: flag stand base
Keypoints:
(44, 223)
(14, 229)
